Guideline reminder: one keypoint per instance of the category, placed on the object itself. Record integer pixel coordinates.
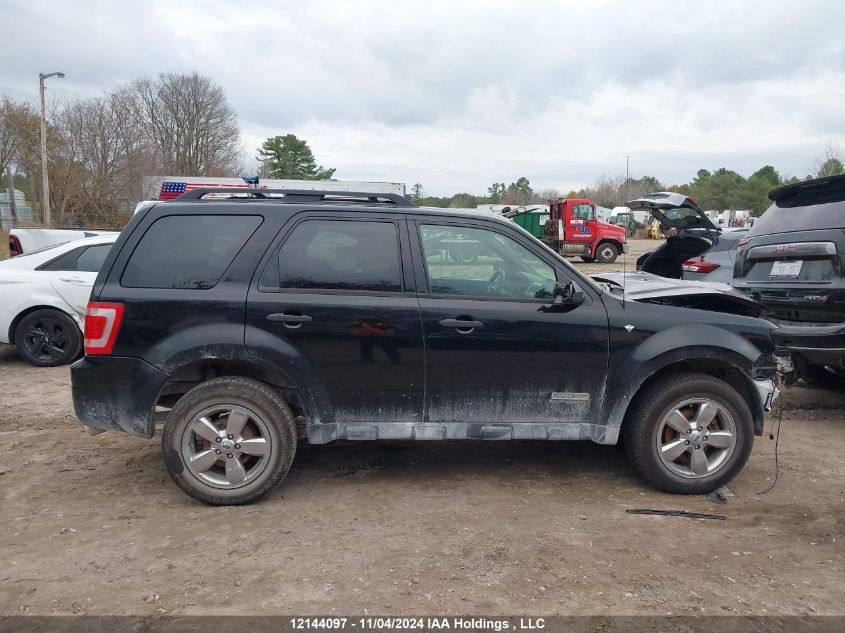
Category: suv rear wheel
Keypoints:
(689, 433)
(229, 441)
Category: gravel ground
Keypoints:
(94, 525)
(628, 261)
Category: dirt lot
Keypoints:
(636, 248)
(94, 525)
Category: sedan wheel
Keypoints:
(47, 338)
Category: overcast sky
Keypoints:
(462, 93)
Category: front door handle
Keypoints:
(290, 320)
(464, 326)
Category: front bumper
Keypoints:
(625, 248)
(767, 392)
(813, 344)
(118, 393)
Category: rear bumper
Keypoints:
(113, 392)
(814, 344)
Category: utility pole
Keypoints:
(45, 184)
(627, 178)
(13, 205)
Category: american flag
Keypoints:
(171, 189)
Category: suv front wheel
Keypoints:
(689, 433)
(229, 441)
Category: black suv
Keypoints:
(260, 317)
(792, 261)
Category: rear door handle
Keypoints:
(72, 280)
(290, 320)
(464, 326)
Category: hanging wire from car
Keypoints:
(776, 437)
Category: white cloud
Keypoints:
(459, 94)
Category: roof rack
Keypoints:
(291, 196)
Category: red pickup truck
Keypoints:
(573, 229)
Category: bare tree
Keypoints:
(607, 191)
(189, 123)
(544, 195)
(20, 128)
(831, 163)
(103, 141)
(14, 118)
(8, 139)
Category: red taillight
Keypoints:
(743, 241)
(699, 265)
(102, 322)
(14, 246)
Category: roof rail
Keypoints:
(291, 196)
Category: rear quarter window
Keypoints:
(188, 251)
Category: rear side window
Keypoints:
(91, 259)
(338, 255)
(84, 259)
(188, 251)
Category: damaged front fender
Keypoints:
(690, 347)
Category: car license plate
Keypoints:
(786, 269)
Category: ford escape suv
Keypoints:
(256, 318)
(792, 261)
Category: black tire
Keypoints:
(606, 253)
(48, 338)
(821, 376)
(643, 423)
(267, 411)
(589, 260)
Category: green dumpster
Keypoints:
(533, 221)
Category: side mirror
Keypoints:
(568, 295)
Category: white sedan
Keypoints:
(43, 297)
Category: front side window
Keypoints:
(583, 211)
(482, 263)
(341, 255)
(188, 251)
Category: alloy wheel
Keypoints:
(696, 438)
(46, 339)
(226, 446)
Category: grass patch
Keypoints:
(4, 245)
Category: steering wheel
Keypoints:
(496, 285)
(534, 290)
